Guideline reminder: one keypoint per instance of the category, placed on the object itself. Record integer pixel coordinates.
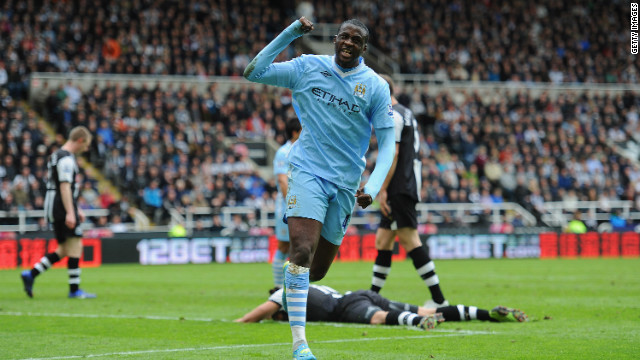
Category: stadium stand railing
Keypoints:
(403, 81)
(40, 82)
(438, 84)
(26, 220)
(559, 213)
(467, 213)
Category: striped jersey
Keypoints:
(62, 167)
(321, 302)
(407, 179)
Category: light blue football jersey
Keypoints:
(281, 166)
(336, 109)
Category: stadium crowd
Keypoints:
(539, 41)
(25, 145)
(528, 149)
(545, 41)
(166, 148)
(23, 150)
(198, 38)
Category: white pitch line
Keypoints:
(241, 346)
(146, 317)
(433, 334)
(173, 318)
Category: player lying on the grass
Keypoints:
(369, 307)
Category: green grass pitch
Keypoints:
(579, 309)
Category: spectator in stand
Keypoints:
(152, 197)
(90, 194)
(117, 226)
(576, 225)
(617, 221)
(238, 224)
(4, 76)
(216, 223)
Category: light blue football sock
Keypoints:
(276, 267)
(297, 279)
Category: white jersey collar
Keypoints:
(352, 71)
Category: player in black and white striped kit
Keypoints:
(62, 212)
(369, 307)
(398, 197)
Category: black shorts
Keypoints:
(359, 306)
(403, 213)
(63, 232)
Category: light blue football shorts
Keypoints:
(315, 198)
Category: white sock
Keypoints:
(299, 336)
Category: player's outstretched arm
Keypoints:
(261, 69)
(262, 311)
(386, 153)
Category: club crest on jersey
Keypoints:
(360, 90)
(292, 201)
(390, 110)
